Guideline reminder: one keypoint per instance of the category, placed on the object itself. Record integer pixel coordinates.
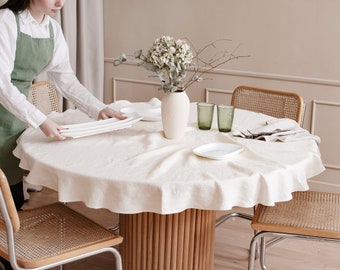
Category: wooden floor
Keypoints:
(231, 244)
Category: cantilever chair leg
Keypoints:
(249, 217)
(258, 240)
(260, 237)
(114, 228)
(310, 215)
(224, 218)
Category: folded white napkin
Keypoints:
(283, 129)
(149, 111)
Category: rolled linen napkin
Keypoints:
(283, 129)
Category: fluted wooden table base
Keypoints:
(183, 241)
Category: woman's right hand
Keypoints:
(52, 129)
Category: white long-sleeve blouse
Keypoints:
(58, 70)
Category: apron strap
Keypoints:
(51, 31)
(17, 20)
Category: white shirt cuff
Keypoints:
(36, 119)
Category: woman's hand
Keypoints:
(52, 129)
(107, 112)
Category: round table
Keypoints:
(166, 195)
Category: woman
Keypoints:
(31, 42)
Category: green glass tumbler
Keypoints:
(225, 117)
(205, 113)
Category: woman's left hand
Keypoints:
(107, 112)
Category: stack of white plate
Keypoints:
(97, 127)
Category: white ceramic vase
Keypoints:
(175, 114)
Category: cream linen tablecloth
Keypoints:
(138, 170)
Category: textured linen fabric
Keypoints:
(138, 170)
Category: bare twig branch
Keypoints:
(199, 65)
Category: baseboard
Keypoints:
(323, 187)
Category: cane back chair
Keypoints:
(279, 104)
(49, 236)
(43, 95)
(309, 215)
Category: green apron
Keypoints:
(31, 56)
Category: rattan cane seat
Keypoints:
(50, 235)
(279, 104)
(309, 215)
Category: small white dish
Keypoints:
(217, 150)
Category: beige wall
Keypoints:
(294, 46)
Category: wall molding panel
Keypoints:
(324, 186)
(213, 95)
(321, 112)
(259, 75)
(119, 84)
(324, 124)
